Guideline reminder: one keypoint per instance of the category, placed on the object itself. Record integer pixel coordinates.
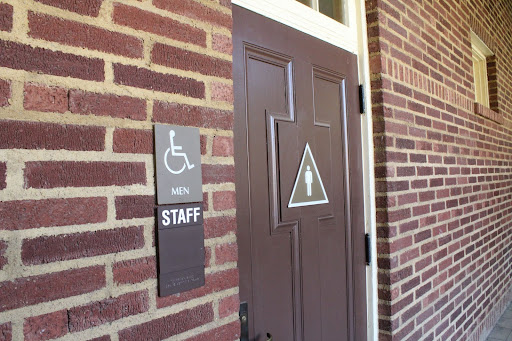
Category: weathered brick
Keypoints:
(223, 146)
(135, 206)
(214, 282)
(6, 331)
(48, 249)
(86, 36)
(3, 175)
(151, 80)
(46, 327)
(108, 310)
(228, 306)
(34, 59)
(219, 226)
(27, 291)
(134, 270)
(197, 11)
(84, 7)
(5, 92)
(169, 325)
(225, 253)
(222, 43)
(6, 17)
(150, 22)
(28, 214)
(136, 141)
(3, 249)
(53, 174)
(51, 136)
(177, 58)
(89, 103)
(215, 174)
(45, 98)
(224, 200)
(228, 332)
(190, 115)
(222, 92)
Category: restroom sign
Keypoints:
(308, 188)
(178, 164)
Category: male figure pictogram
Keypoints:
(309, 180)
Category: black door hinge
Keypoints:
(361, 99)
(244, 321)
(368, 250)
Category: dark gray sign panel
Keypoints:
(180, 248)
(178, 164)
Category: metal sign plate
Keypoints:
(180, 248)
(178, 164)
(308, 188)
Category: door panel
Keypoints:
(301, 268)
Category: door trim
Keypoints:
(352, 38)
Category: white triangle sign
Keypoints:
(308, 188)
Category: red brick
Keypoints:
(224, 200)
(149, 22)
(54, 174)
(135, 141)
(228, 332)
(134, 270)
(48, 249)
(229, 306)
(223, 146)
(214, 282)
(51, 136)
(222, 43)
(5, 92)
(84, 7)
(169, 325)
(82, 35)
(151, 80)
(28, 214)
(177, 58)
(205, 202)
(3, 174)
(89, 103)
(3, 249)
(6, 16)
(108, 310)
(219, 226)
(222, 92)
(190, 115)
(197, 11)
(34, 59)
(27, 291)
(46, 327)
(6, 331)
(215, 174)
(45, 98)
(203, 140)
(135, 206)
(225, 253)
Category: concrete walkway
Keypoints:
(503, 329)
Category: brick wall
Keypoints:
(443, 169)
(81, 84)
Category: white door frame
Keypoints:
(352, 38)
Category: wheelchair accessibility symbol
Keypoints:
(178, 164)
(174, 150)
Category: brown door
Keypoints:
(302, 269)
